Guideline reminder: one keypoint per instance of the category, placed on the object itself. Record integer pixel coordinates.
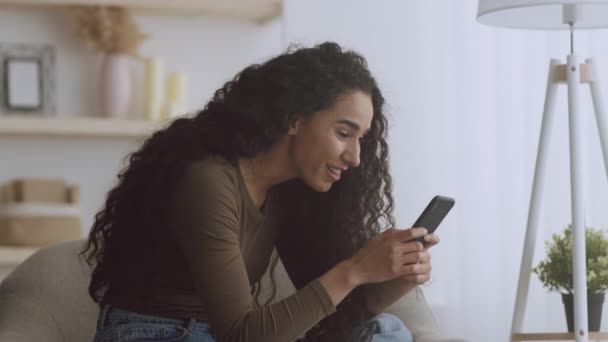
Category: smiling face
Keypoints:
(327, 143)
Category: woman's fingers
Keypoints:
(393, 253)
(431, 240)
(408, 247)
(417, 269)
(418, 278)
(404, 235)
(415, 257)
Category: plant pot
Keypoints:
(595, 301)
(116, 85)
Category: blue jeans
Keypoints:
(383, 328)
(116, 325)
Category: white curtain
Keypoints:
(466, 103)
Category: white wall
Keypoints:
(209, 51)
(466, 103)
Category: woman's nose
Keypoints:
(351, 155)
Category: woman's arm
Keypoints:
(378, 297)
(204, 218)
(296, 245)
(340, 281)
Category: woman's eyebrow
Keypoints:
(352, 125)
(349, 123)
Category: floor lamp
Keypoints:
(549, 15)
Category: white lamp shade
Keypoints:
(542, 14)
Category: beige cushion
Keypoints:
(45, 299)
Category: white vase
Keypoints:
(116, 85)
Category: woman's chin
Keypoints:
(320, 186)
(325, 186)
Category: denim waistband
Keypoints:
(111, 315)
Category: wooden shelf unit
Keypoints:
(248, 10)
(76, 127)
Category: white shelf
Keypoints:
(76, 127)
(250, 10)
(13, 256)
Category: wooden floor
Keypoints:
(593, 336)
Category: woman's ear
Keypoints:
(294, 124)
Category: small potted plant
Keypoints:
(555, 273)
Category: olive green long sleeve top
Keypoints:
(218, 244)
(227, 245)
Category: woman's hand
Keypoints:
(424, 267)
(393, 254)
(390, 255)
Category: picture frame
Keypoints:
(27, 80)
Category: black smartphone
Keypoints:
(433, 214)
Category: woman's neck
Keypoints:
(264, 171)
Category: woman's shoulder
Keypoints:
(212, 168)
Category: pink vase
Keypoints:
(115, 85)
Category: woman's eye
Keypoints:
(343, 135)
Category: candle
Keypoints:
(176, 84)
(153, 81)
(172, 110)
(175, 102)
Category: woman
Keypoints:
(289, 154)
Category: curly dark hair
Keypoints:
(244, 118)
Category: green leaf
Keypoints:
(555, 271)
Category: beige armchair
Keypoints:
(45, 299)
